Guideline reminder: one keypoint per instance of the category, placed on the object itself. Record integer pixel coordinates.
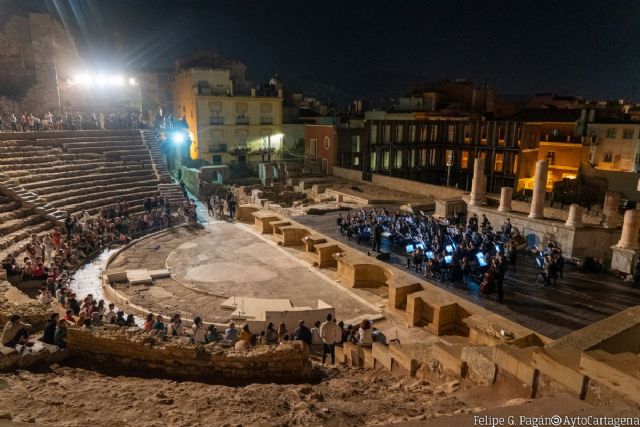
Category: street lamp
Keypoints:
(449, 164)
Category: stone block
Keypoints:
(480, 366)
(381, 356)
(450, 357)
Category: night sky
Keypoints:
(581, 47)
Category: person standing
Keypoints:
(302, 333)
(377, 234)
(330, 336)
(500, 269)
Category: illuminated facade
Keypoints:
(434, 148)
(615, 145)
(227, 127)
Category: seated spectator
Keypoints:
(283, 332)
(45, 297)
(96, 319)
(82, 316)
(49, 332)
(175, 327)
(110, 315)
(159, 324)
(15, 332)
(199, 335)
(231, 333)
(69, 317)
(245, 333)
(120, 320)
(212, 334)
(378, 336)
(364, 334)
(271, 335)
(61, 333)
(148, 323)
(302, 333)
(131, 320)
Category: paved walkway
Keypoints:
(578, 300)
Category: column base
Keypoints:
(624, 260)
(536, 216)
(505, 210)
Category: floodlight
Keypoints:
(132, 81)
(178, 137)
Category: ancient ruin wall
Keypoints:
(13, 301)
(134, 351)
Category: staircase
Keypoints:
(31, 199)
(173, 193)
(312, 168)
(158, 160)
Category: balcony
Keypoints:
(239, 151)
(242, 120)
(218, 148)
(266, 120)
(569, 139)
(216, 121)
(264, 150)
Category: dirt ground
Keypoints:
(74, 397)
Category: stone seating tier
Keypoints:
(93, 203)
(64, 169)
(54, 186)
(42, 178)
(16, 242)
(66, 196)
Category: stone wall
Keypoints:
(191, 179)
(13, 301)
(131, 350)
(409, 186)
(36, 53)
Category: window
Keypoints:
(611, 133)
(412, 133)
(385, 160)
(399, 157)
(399, 129)
(637, 160)
(515, 164)
(372, 164)
(467, 134)
(432, 157)
(464, 160)
(356, 161)
(483, 135)
(413, 158)
(355, 143)
(387, 133)
(627, 133)
(423, 133)
(434, 133)
(449, 157)
(374, 134)
(499, 162)
(551, 157)
(607, 157)
(451, 133)
(216, 158)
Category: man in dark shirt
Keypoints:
(302, 333)
(50, 329)
(377, 234)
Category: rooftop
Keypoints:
(547, 115)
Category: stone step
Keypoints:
(107, 149)
(16, 242)
(111, 142)
(45, 192)
(93, 206)
(95, 194)
(54, 181)
(8, 227)
(81, 139)
(94, 188)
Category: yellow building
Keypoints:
(226, 126)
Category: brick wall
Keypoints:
(132, 350)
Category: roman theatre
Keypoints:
(449, 353)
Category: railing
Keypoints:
(242, 120)
(266, 120)
(216, 121)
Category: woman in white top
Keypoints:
(199, 333)
(364, 334)
(316, 338)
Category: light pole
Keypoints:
(449, 164)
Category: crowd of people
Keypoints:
(218, 204)
(451, 250)
(28, 122)
(52, 258)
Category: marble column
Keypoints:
(610, 216)
(506, 194)
(575, 216)
(630, 227)
(539, 190)
(476, 184)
